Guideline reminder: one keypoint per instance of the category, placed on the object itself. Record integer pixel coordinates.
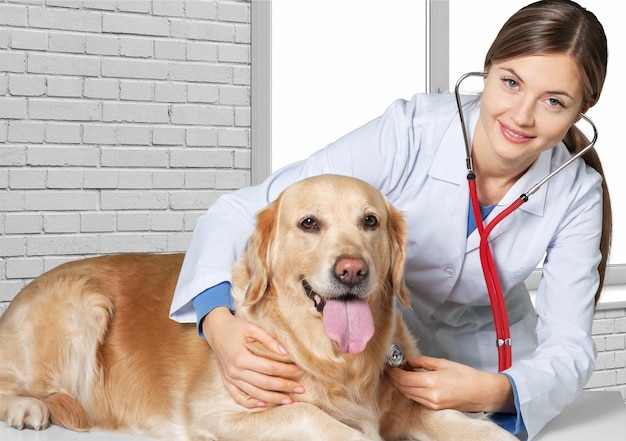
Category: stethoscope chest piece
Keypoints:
(395, 356)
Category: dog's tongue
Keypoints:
(349, 323)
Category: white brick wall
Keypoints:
(120, 122)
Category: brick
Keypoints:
(63, 156)
(12, 246)
(13, 108)
(68, 110)
(243, 34)
(63, 133)
(23, 268)
(108, 5)
(4, 179)
(31, 85)
(133, 221)
(136, 47)
(134, 5)
(602, 327)
(29, 39)
(65, 3)
(12, 156)
(201, 9)
(208, 158)
(4, 39)
(202, 93)
(168, 136)
(64, 42)
(134, 135)
(242, 117)
(136, 90)
(63, 178)
(51, 18)
(24, 131)
(168, 179)
(135, 112)
(242, 75)
(234, 53)
(204, 179)
(65, 87)
(202, 115)
(123, 157)
(170, 93)
(99, 179)
(602, 379)
(135, 179)
(231, 179)
(22, 223)
(102, 45)
(133, 200)
(98, 134)
(178, 243)
(169, 50)
(164, 221)
(4, 84)
(202, 51)
(60, 200)
(200, 73)
(134, 68)
(207, 31)
(12, 62)
(65, 244)
(97, 222)
(61, 64)
(101, 88)
(234, 95)
(235, 12)
(135, 24)
(27, 179)
(193, 200)
(233, 138)
(61, 223)
(12, 15)
(201, 137)
(142, 243)
(169, 8)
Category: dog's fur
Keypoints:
(89, 344)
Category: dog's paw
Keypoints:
(26, 412)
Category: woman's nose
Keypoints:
(523, 114)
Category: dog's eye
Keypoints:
(309, 223)
(370, 221)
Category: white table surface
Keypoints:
(594, 416)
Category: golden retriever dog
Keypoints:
(89, 344)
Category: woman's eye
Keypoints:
(511, 83)
(309, 223)
(370, 221)
(555, 102)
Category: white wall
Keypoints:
(120, 122)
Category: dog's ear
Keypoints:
(258, 253)
(398, 233)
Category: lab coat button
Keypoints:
(449, 271)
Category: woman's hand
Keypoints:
(437, 384)
(251, 380)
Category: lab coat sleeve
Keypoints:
(558, 370)
(378, 153)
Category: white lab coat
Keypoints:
(414, 153)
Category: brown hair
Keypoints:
(563, 26)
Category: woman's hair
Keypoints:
(564, 27)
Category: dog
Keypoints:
(89, 343)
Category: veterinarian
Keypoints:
(547, 65)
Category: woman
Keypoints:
(546, 66)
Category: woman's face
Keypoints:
(527, 106)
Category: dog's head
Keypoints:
(334, 247)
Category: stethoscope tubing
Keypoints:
(494, 288)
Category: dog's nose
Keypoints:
(350, 270)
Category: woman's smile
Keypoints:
(513, 135)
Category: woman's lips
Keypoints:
(514, 136)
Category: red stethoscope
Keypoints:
(498, 306)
